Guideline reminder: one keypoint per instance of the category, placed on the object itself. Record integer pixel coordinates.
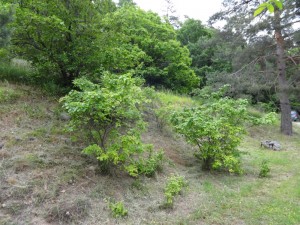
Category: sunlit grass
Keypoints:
(248, 199)
(175, 101)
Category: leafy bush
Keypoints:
(118, 209)
(109, 117)
(264, 169)
(269, 118)
(173, 187)
(216, 128)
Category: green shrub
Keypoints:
(118, 209)
(109, 117)
(264, 169)
(174, 186)
(268, 118)
(216, 128)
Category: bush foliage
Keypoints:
(109, 116)
(216, 128)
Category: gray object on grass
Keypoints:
(271, 144)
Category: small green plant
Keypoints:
(264, 169)
(148, 166)
(174, 186)
(118, 209)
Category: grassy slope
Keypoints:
(45, 180)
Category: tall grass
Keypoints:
(174, 101)
(16, 73)
(20, 71)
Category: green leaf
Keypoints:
(270, 8)
(279, 4)
(259, 10)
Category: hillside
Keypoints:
(45, 179)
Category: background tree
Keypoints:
(126, 2)
(67, 39)
(58, 37)
(6, 16)
(141, 41)
(248, 27)
(211, 50)
(170, 14)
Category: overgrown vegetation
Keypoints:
(143, 100)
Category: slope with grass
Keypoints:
(44, 178)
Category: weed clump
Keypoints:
(174, 186)
(118, 209)
(264, 169)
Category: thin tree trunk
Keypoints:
(285, 107)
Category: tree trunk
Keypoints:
(285, 107)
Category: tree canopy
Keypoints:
(273, 51)
(6, 16)
(67, 39)
(148, 46)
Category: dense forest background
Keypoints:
(63, 40)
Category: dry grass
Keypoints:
(44, 179)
